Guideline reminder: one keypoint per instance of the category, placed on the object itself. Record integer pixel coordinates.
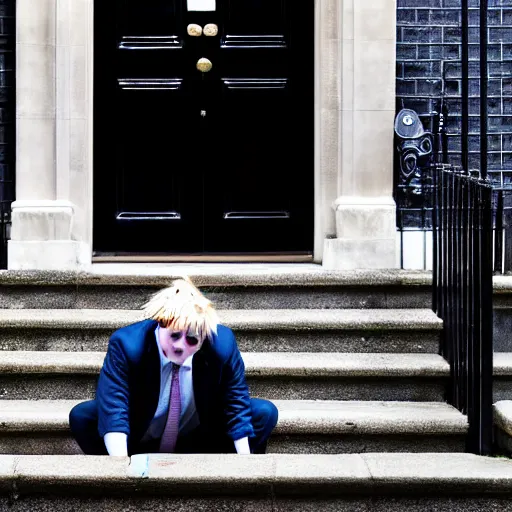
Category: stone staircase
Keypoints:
(350, 359)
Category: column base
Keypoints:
(42, 237)
(345, 254)
(48, 255)
(365, 234)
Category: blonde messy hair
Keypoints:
(182, 306)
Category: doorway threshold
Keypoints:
(202, 258)
(248, 274)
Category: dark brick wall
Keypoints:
(7, 127)
(428, 60)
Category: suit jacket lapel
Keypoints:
(200, 384)
(152, 374)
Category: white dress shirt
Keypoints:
(189, 418)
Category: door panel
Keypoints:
(255, 22)
(154, 164)
(252, 200)
(142, 176)
(191, 162)
(148, 20)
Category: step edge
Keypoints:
(293, 422)
(248, 275)
(461, 473)
(300, 319)
(381, 364)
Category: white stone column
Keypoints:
(52, 135)
(364, 209)
(328, 82)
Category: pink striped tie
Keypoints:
(170, 434)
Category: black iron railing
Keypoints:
(462, 295)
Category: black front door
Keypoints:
(190, 161)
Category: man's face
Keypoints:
(178, 346)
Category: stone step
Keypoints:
(502, 412)
(401, 482)
(278, 375)
(305, 330)
(502, 313)
(309, 426)
(242, 286)
(502, 370)
(502, 291)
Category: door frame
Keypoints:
(326, 140)
(118, 187)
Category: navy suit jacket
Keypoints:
(129, 384)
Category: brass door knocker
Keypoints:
(204, 65)
(194, 30)
(210, 30)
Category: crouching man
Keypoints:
(174, 383)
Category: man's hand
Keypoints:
(116, 444)
(242, 446)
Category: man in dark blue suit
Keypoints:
(173, 383)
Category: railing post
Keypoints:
(471, 291)
(465, 288)
(464, 83)
(483, 89)
(435, 241)
(486, 324)
(475, 342)
(458, 340)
